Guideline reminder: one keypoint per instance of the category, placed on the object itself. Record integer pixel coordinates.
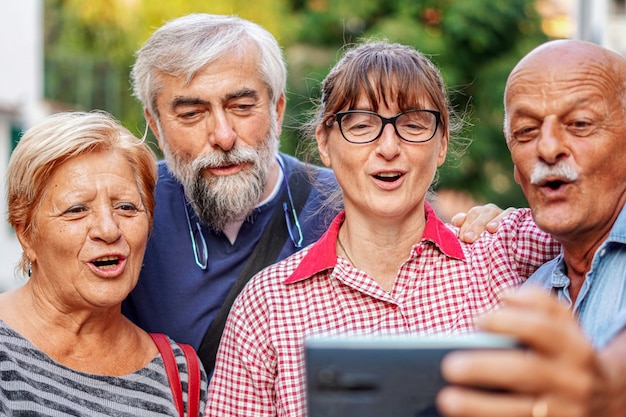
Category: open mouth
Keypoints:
(554, 184)
(106, 262)
(388, 176)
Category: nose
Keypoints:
(221, 133)
(551, 145)
(105, 226)
(388, 144)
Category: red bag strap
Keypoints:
(193, 385)
(171, 368)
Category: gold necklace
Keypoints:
(350, 259)
(345, 251)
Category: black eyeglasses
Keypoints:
(362, 126)
(199, 246)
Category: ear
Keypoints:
(25, 240)
(516, 175)
(321, 136)
(443, 149)
(154, 126)
(280, 112)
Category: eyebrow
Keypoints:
(194, 101)
(187, 101)
(243, 93)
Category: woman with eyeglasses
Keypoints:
(387, 264)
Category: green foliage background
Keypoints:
(90, 45)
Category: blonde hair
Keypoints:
(61, 137)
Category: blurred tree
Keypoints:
(89, 47)
(475, 44)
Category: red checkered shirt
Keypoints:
(441, 288)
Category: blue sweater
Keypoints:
(176, 297)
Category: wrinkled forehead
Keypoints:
(559, 70)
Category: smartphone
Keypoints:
(382, 376)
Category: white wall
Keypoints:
(601, 22)
(21, 80)
(616, 32)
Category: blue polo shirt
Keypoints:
(174, 295)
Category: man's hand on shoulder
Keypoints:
(478, 219)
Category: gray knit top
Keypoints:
(32, 384)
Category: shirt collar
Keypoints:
(616, 235)
(618, 231)
(322, 254)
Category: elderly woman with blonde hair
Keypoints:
(80, 196)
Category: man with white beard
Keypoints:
(228, 202)
(212, 88)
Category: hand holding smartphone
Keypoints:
(382, 376)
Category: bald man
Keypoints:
(565, 125)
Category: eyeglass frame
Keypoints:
(291, 213)
(202, 259)
(386, 120)
(201, 251)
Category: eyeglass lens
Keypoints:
(412, 126)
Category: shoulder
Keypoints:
(12, 343)
(268, 286)
(166, 182)
(543, 275)
(519, 225)
(183, 353)
(163, 170)
(273, 276)
(321, 174)
(518, 244)
(169, 197)
(186, 360)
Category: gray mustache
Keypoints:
(561, 169)
(220, 158)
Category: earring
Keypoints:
(30, 268)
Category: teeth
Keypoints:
(106, 262)
(388, 176)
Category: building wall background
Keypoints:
(21, 103)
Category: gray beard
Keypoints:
(221, 200)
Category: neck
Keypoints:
(577, 263)
(578, 256)
(54, 317)
(272, 179)
(104, 343)
(378, 249)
